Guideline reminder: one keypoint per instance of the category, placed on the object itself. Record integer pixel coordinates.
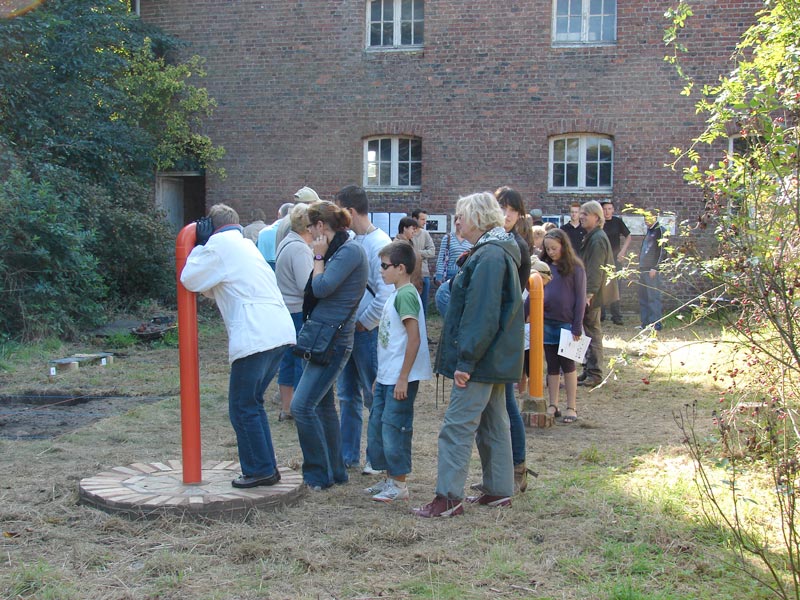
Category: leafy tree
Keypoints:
(752, 203)
(90, 109)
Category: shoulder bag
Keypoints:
(316, 339)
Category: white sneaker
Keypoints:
(368, 470)
(377, 488)
(393, 491)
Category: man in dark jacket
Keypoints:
(481, 349)
(649, 276)
(598, 258)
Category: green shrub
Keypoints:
(50, 277)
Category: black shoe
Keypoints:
(618, 322)
(582, 376)
(245, 481)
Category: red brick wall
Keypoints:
(297, 92)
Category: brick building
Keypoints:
(422, 102)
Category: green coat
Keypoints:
(484, 325)
(596, 253)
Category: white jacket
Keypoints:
(232, 271)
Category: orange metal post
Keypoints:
(536, 354)
(189, 363)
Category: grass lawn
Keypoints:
(614, 513)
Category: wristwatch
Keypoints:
(319, 257)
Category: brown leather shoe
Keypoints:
(440, 507)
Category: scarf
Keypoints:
(309, 299)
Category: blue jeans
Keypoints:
(517, 426)
(355, 391)
(442, 298)
(426, 293)
(390, 429)
(250, 376)
(314, 411)
(650, 299)
(292, 365)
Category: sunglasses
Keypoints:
(385, 266)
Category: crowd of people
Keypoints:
(328, 302)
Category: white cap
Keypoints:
(306, 194)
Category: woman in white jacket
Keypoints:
(231, 270)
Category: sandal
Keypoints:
(569, 419)
(556, 413)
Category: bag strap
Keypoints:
(447, 255)
(284, 247)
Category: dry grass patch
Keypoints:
(608, 516)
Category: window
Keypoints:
(394, 23)
(581, 162)
(585, 21)
(393, 162)
(135, 8)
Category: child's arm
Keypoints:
(412, 331)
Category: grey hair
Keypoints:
(593, 208)
(482, 210)
(284, 209)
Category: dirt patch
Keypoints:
(42, 416)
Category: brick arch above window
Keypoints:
(391, 128)
(587, 125)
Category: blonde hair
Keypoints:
(298, 218)
(537, 233)
(482, 210)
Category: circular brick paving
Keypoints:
(144, 490)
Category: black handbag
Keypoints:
(316, 339)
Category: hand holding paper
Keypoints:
(569, 348)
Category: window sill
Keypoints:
(382, 50)
(558, 44)
(583, 191)
(393, 190)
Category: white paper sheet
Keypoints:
(569, 348)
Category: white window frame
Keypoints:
(583, 139)
(397, 29)
(394, 165)
(135, 7)
(582, 39)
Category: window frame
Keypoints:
(583, 138)
(397, 28)
(585, 19)
(394, 164)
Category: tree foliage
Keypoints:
(752, 203)
(90, 109)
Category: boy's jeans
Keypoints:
(390, 429)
